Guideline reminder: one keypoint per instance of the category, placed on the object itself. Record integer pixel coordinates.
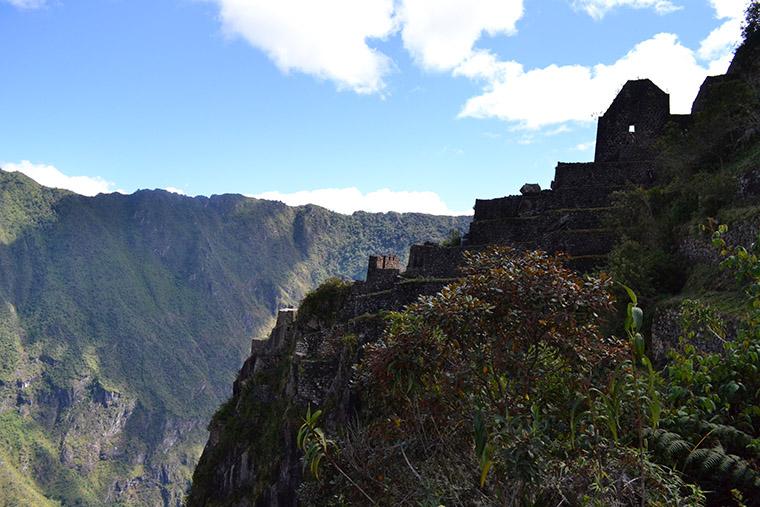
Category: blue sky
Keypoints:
(353, 104)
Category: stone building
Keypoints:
(571, 216)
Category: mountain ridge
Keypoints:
(133, 312)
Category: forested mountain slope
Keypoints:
(123, 319)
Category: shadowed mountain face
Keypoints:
(123, 320)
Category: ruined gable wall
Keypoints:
(640, 104)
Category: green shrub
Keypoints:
(324, 302)
(454, 238)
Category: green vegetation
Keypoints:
(25, 448)
(663, 224)
(155, 297)
(751, 23)
(325, 302)
(10, 343)
(454, 238)
(252, 424)
(24, 204)
(503, 389)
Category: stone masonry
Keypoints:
(571, 216)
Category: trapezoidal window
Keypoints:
(632, 129)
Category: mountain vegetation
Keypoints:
(123, 319)
(503, 390)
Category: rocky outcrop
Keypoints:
(308, 360)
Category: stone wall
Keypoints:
(431, 260)
(640, 106)
(382, 271)
(489, 209)
(667, 330)
(537, 204)
(531, 230)
(601, 174)
(395, 298)
(571, 216)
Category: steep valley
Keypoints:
(124, 318)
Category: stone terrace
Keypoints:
(571, 217)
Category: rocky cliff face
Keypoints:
(123, 320)
(251, 456)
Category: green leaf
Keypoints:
(638, 345)
(321, 435)
(637, 315)
(484, 472)
(655, 410)
(301, 436)
(631, 294)
(481, 434)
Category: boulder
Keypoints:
(530, 188)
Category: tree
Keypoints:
(751, 19)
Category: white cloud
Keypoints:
(729, 8)
(175, 190)
(348, 200)
(721, 42)
(332, 39)
(585, 146)
(526, 140)
(562, 129)
(440, 34)
(557, 94)
(448, 151)
(25, 4)
(50, 176)
(597, 9)
(327, 39)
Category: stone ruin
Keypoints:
(571, 216)
(382, 269)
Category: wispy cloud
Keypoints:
(50, 176)
(597, 9)
(450, 150)
(349, 200)
(25, 4)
